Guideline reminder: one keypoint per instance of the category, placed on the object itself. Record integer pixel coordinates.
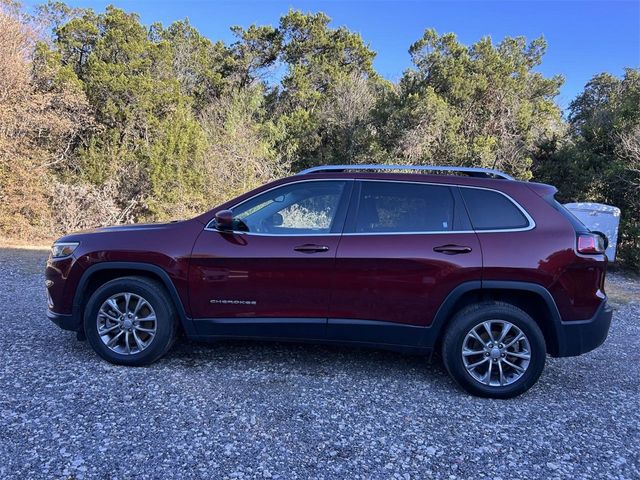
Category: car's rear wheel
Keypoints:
(494, 349)
(130, 321)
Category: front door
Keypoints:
(406, 245)
(271, 276)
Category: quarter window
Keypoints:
(404, 207)
(298, 208)
(490, 210)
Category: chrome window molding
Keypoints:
(531, 222)
(214, 229)
(254, 234)
(443, 232)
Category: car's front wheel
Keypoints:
(494, 349)
(130, 321)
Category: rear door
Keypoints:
(405, 247)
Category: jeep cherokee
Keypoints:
(493, 273)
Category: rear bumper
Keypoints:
(64, 321)
(581, 336)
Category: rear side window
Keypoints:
(490, 210)
(404, 207)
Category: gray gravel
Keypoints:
(248, 410)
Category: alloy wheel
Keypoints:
(126, 323)
(496, 353)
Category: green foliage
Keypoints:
(256, 50)
(321, 65)
(241, 150)
(201, 66)
(480, 105)
(176, 187)
(599, 160)
(50, 74)
(142, 84)
(169, 122)
(318, 56)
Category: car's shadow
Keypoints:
(297, 358)
(284, 362)
(304, 359)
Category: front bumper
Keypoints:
(581, 336)
(64, 321)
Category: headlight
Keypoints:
(63, 249)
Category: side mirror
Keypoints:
(224, 220)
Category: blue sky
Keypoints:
(584, 37)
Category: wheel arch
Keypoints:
(530, 297)
(100, 273)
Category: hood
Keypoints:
(133, 227)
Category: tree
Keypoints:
(320, 61)
(142, 88)
(598, 159)
(482, 105)
(348, 120)
(241, 151)
(201, 67)
(106, 120)
(41, 122)
(254, 55)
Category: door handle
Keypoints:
(311, 248)
(452, 249)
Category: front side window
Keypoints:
(294, 209)
(491, 210)
(390, 207)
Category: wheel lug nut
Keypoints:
(501, 346)
(503, 355)
(486, 354)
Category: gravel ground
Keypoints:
(243, 410)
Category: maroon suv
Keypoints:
(492, 272)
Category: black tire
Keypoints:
(166, 320)
(474, 315)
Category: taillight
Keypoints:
(590, 243)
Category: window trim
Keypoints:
(355, 207)
(350, 200)
(531, 223)
(345, 197)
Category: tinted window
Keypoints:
(299, 208)
(491, 210)
(404, 207)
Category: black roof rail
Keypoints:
(471, 171)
